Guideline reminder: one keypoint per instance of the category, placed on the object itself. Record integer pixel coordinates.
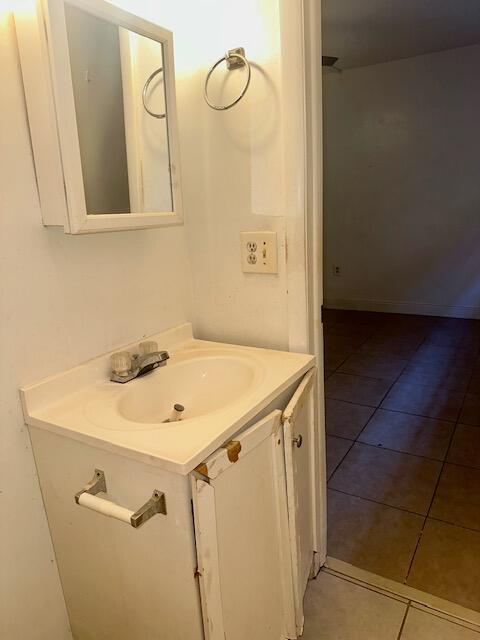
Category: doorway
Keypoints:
(401, 293)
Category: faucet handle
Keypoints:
(121, 362)
(149, 346)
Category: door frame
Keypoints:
(302, 50)
(314, 233)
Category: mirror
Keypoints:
(123, 148)
(100, 91)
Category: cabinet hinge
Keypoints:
(233, 450)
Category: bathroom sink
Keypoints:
(202, 381)
(221, 386)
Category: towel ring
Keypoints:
(235, 59)
(144, 94)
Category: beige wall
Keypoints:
(65, 299)
(402, 189)
(236, 163)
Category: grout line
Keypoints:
(342, 459)
(404, 620)
(446, 617)
(362, 375)
(365, 426)
(360, 404)
(334, 435)
(413, 513)
(407, 453)
(454, 524)
(438, 480)
(366, 585)
(383, 504)
(419, 415)
(420, 535)
(418, 600)
(335, 370)
(409, 360)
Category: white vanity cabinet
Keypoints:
(255, 522)
(229, 560)
(119, 583)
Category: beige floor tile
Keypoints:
(372, 536)
(352, 329)
(437, 374)
(336, 450)
(447, 564)
(421, 625)
(457, 338)
(392, 478)
(400, 346)
(346, 420)
(457, 498)
(339, 342)
(474, 384)
(471, 410)
(374, 366)
(333, 358)
(431, 402)
(336, 609)
(357, 389)
(444, 355)
(465, 448)
(408, 433)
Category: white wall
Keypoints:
(63, 299)
(402, 187)
(237, 171)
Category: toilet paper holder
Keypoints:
(87, 497)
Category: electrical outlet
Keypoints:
(259, 251)
(336, 270)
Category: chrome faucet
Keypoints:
(127, 366)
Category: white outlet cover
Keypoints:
(263, 257)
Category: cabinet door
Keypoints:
(241, 527)
(302, 494)
(119, 583)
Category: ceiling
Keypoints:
(363, 32)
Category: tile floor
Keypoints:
(338, 608)
(403, 449)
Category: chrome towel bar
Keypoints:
(88, 498)
(235, 59)
(144, 95)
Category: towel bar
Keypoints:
(87, 497)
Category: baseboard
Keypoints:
(415, 308)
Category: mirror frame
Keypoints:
(44, 56)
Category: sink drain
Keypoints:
(176, 414)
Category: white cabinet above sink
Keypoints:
(206, 528)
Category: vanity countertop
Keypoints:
(83, 404)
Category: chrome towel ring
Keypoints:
(144, 94)
(235, 59)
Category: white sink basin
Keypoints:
(203, 381)
(221, 386)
